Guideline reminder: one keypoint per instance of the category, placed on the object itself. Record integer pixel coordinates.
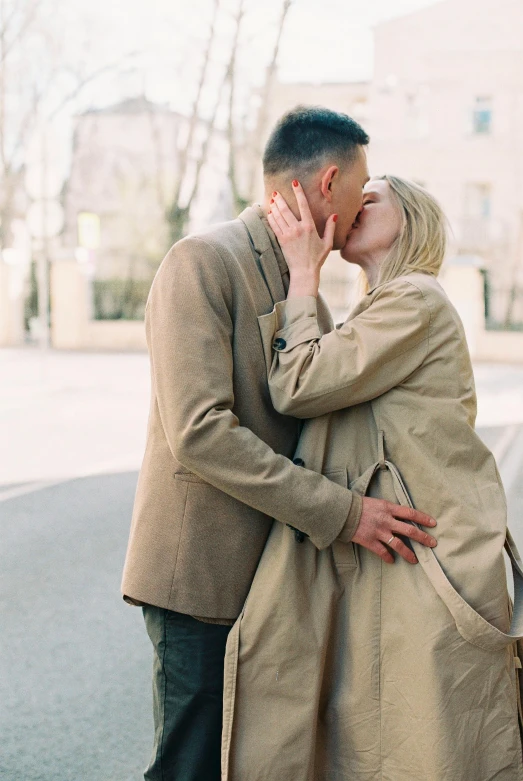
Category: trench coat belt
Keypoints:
(471, 626)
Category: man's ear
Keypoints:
(326, 181)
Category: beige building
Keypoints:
(446, 109)
(124, 170)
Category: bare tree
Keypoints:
(255, 147)
(231, 76)
(265, 97)
(15, 20)
(37, 82)
(178, 211)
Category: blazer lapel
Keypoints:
(269, 266)
(272, 275)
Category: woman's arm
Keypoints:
(310, 375)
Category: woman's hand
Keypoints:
(304, 250)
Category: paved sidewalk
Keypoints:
(68, 414)
(65, 415)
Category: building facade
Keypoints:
(125, 165)
(446, 109)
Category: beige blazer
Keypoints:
(217, 466)
(341, 666)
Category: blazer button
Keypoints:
(298, 461)
(279, 344)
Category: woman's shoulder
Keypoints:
(415, 286)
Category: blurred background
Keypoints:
(123, 127)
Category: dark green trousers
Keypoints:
(187, 696)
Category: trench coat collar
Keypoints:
(266, 245)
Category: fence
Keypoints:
(119, 299)
(503, 306)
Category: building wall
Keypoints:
(446, 109)
(124, 168)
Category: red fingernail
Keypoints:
(269, 212)
(295, 183)
(274, 195)
(335, 218)
(272, 200)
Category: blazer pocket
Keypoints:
(189, 477)
(345, 555)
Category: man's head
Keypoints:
(325, 151)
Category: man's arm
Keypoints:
(190, 332)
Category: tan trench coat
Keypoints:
(344, 668)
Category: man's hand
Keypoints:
(381, 521)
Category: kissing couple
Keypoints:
(305, 624)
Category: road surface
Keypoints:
(75, 702)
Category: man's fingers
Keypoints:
(381, 551)
(303, 204)
(413, 533)
(402, 550)
(409, 514)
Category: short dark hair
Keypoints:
(306, 135)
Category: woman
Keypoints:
(342, 666)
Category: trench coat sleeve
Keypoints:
(190, 330)
(311, 375)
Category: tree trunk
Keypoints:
(238, 201)
(177, 215)
(263, 114)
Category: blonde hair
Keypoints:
(422, 241)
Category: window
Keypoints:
(416, 116)
(476, 222)
(482, 116)
(478, 198)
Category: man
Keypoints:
(217, 468)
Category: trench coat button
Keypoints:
(279, 344)
(298, 461)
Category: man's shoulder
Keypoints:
(225, 239)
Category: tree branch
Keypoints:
(195, 114)
(263, 114)
(239, 202)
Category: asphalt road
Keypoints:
(75, 684)
(75, 702)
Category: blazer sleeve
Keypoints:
(311, 375)
(190, 329)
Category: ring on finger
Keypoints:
(389, 541)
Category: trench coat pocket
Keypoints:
(470, 624)
(345, 555)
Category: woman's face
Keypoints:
(376, 227)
